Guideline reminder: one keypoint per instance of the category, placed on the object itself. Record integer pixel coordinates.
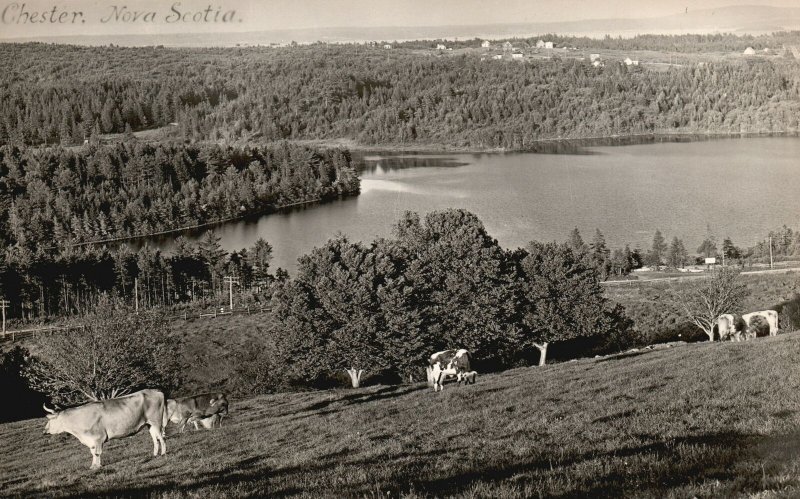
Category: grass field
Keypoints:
(648, 304)
(705, 420)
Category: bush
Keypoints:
(21, 401)
(115, 353)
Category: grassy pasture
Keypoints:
(705, 420)
(212, 347)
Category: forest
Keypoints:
(67, 94)
(57, 197)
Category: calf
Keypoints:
(197, 409)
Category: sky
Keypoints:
(171, 16)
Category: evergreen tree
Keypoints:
(657, 250)
(575, 242)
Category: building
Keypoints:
(440, 46)
(597, 64)
(486, 44)
(507, 46)
(629, 62)
(387, 46)
(497, 57)
(594, 57)
(517, 55)
(540, 44)
(548, 45)
(749, 51)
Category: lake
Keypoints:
(741, 188)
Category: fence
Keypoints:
(19, 334)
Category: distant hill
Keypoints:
(697, 420)
(738, 19)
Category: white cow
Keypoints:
(96, 423)
(770, 316)
(449, 363)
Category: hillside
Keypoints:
(694, 420)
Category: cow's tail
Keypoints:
(164, 415)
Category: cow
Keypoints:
(197, 409)
(731, 326)
(448, 363)
(95, 423)
(209, 422)
(770, 316)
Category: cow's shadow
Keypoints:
(361, 396)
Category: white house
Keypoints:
(597, 64)
(440, 46)
(497, 57)
(508, 46)
(486, 44)
(540, 44)
(749, 51)
(594, 57)
(387, 46)
(548, 45)
(629, 62)
(517, 55)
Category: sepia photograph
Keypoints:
(400, 248)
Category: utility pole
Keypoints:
(770, 251)
(3, 305)
(231, 281)
(136, 292)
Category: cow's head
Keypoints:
(221, 402)
(52, 426)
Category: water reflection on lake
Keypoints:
(742, 188)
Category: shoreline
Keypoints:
(554, 145)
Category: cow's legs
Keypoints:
(97, 450)
(158, 438)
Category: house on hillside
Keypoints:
(517, 55)
(594, 57)
(630, 62)
(540, 44)
(749, 51)
(548, 45)
(486, 44)
(440, 46)
(497, 57)
(508, 47)
(387, 46)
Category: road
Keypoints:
(698, 276)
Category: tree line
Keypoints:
(73, 282)
(376, 96)
(57, 197)
(683, 43)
